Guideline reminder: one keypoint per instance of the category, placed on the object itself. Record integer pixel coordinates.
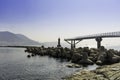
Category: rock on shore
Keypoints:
(79, 55)
(106, 72)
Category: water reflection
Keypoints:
(14, 65)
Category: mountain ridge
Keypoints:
(12, 39)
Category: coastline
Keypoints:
(106, 72)
(20, 46)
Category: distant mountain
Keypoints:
(9, 38)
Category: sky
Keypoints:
(46, 20)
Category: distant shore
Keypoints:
(20, 46)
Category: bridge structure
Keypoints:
(97, 37)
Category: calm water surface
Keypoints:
(14, 65)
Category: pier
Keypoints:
(97, 37)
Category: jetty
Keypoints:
(79, 55)
(97, 37)
(85, 55)
(108, 59)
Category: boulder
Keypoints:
(76, 58)
(112, 58)
(68, 55)
(72, 65)
(28, 56)
(101, 58)
(86, 49)
(85, 59)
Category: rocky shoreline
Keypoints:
(106, 72)
(86, 55)
(108, 59)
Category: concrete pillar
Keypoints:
(74, 44)
(98, 39)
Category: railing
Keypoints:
(102, 35)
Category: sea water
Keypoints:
(14, 65)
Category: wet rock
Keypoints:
(79, 55)
(28, 56)
(108, 72)
(72, 65)
(86, 49)
(102, 56)
(113, 58)
(68, 55)
(32, 55)
(85, 59)
(76, 58)
(52, 53)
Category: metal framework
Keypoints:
(97, 37)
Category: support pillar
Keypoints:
(99, 39)
(73, 43)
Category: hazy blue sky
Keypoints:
(46, 20)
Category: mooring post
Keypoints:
(98, 39)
